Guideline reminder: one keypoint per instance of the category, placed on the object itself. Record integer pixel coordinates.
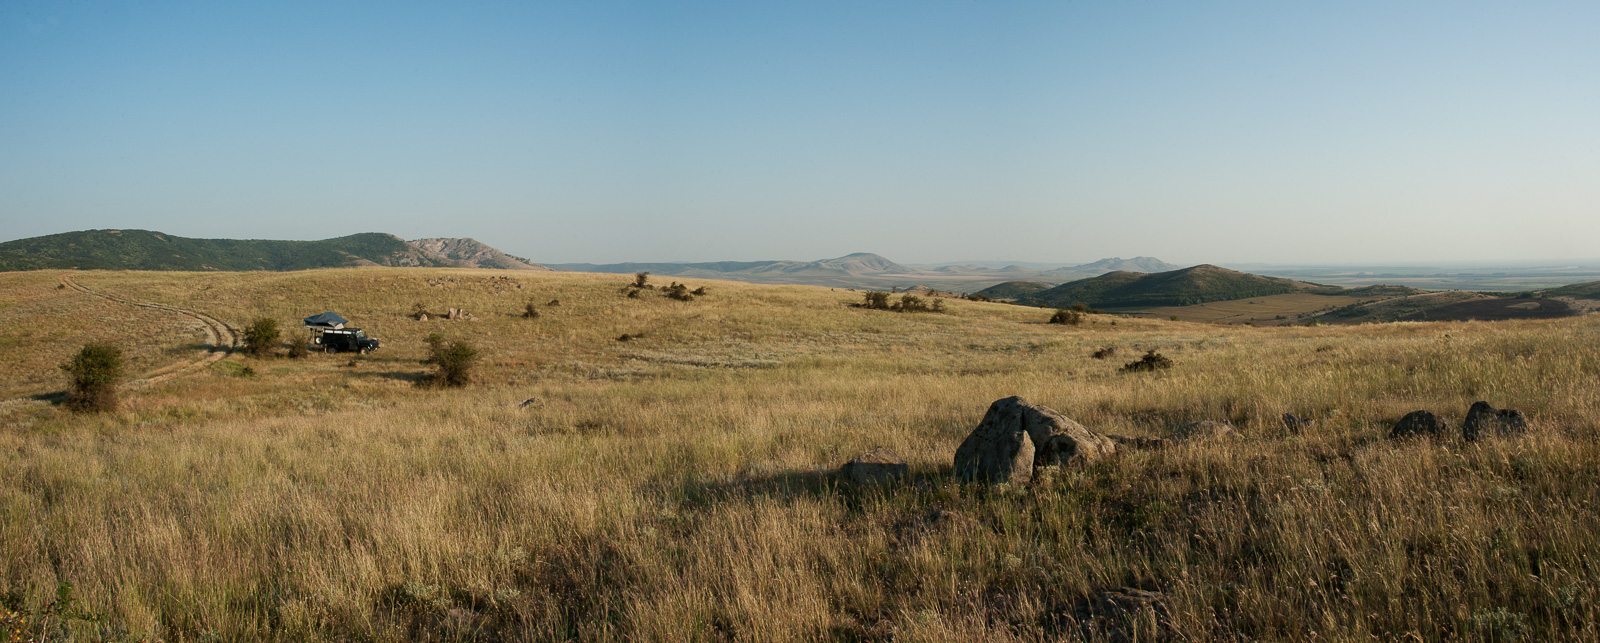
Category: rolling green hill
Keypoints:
(147, 250)
(1585, 290)
(1014, 289)
(1189, 286)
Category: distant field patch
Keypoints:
(1255, 309)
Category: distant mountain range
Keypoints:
(867, 270)
(149, 250)
(1128, 290)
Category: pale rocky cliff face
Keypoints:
(471, 253)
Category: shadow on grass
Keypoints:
(54, 397)
(787, 486)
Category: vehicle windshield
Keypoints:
(361, 334)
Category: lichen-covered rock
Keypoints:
(1484, 421)
(999, 450)
(1419, 423)
(993, 452)
(1203, 430)
(875, 466)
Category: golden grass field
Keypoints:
(676, 487)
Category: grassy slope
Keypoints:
(1014, 289)
(1586, 290)
(1189, 286)
(669, 488)
(146, 250)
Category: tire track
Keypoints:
(220, 337)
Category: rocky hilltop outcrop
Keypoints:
(471, 253)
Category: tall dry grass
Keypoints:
(676, 487)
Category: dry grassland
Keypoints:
(675, 487)
(1257, 310)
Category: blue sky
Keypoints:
(923, 131)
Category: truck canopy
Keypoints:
(326, 320)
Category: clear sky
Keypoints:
(924, 131)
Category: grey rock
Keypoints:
(995, 451)
(1484, 421)
(1295, 424)
(875, 466)
(1419, 423)
(532, 401)
(1203, 430)
(999, 450)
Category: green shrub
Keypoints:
(1068, 317)
(679, 292)
(530, 311)
(260, 336)
(978, 297)
(94, 373)
(436, 346)
(641, 279)
(875, 300)
(453, 364)
(298, 346)
(1152, 361)
(911, 304)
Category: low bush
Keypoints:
(260, 337)
(453, 364)
(1152, 361)
(435, 344)
(978, 297)
(641, 279)
(94, 373)
(530, 311)
(875, 300)
(298, 346)
(1068, 317)
(1104, 352)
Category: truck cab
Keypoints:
(340, 340)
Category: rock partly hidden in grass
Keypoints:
(1203, 430)
(1126, 614)
(1015, 436)
(1137, 442)
(1295, 424)
(1104, 352)
(1420, 423)
(876, 466)
(1152, 361)
(1484, 421)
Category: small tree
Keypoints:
(530, 311)
(260, 336)
(95, 372)
(435, 344)
(298, 345)
(454, 364)
(875, 300)
(641, 279)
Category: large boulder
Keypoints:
(1016, 436)
(1485, 421)
(998, 451)
(1419, 423)
(875, 466)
